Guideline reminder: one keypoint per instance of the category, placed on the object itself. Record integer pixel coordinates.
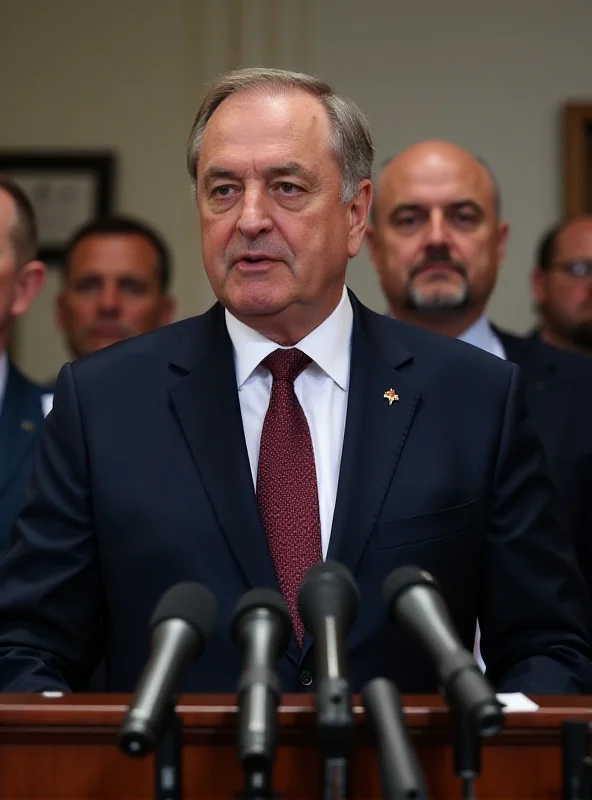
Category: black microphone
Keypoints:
(400, 772)
(181, 623)
(415, 604)
(328, 603)
(261, 628)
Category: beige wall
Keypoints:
(129, 74)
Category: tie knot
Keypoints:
(286, 365)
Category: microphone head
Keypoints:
(328, 589)
(190, 602)
(266, 600)
(404, 578)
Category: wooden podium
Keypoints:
(64, 749)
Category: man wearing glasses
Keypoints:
(437, 240)
(562, 285)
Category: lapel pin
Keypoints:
(391, 396)
(27, 425)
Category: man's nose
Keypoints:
(255, 217)
(108, 300)
(437, 230)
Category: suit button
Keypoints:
(305, 677)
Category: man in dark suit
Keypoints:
(164, 458)
(437, 243)
(562, 285)
(23, 404)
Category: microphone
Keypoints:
(328, 603)
(416, 605)
(261, 629)
(400, 772)
(181, 623)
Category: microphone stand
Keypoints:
(575, 760)
(168, 759)
(467, 753)
(336, 731)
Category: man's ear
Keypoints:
(359, 213)
(503, 234)
(30, 281)
(167, 313)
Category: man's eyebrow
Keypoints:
(464, 203)
(219, 173)
(291, 169)
(405, 208)
(456, 204)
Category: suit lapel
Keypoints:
(375, 432)
(205, 400)
(20, 421)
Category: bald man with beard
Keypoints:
(437, 242)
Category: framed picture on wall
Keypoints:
(577, 159)
(66, 189)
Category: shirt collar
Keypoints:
(328, 345)
(482, 335)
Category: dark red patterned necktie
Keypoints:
(287, 481)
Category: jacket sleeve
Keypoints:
(50, 586)
(535, 613)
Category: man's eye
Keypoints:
(288, 188)
(465, 218)
(224, 190)
(406, 222)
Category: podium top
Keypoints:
(219, 712)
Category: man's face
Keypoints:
(436, 243)
(564, 291)
(275, 237)
(111, 292)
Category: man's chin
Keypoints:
(437, 305)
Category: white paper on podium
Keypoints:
(515, 702)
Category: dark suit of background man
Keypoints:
(22, 403)
(160, 461)
(562, 285)
(437, 243)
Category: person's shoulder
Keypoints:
(16, 378)
(180, 341)
(433, 350)
(31, 395)
(526, 350)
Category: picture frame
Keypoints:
(67, 189)
(577, 159)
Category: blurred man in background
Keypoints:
(23, 404)
(116, 284)
(437, 242)
(562, 285)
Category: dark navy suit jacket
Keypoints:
(143, 480)
(21, 420)
(558, 388)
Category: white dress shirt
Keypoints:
(3, 377)
(321, 388)
(482, 335)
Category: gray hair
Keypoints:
(351, 140)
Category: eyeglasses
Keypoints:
(575, 269)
